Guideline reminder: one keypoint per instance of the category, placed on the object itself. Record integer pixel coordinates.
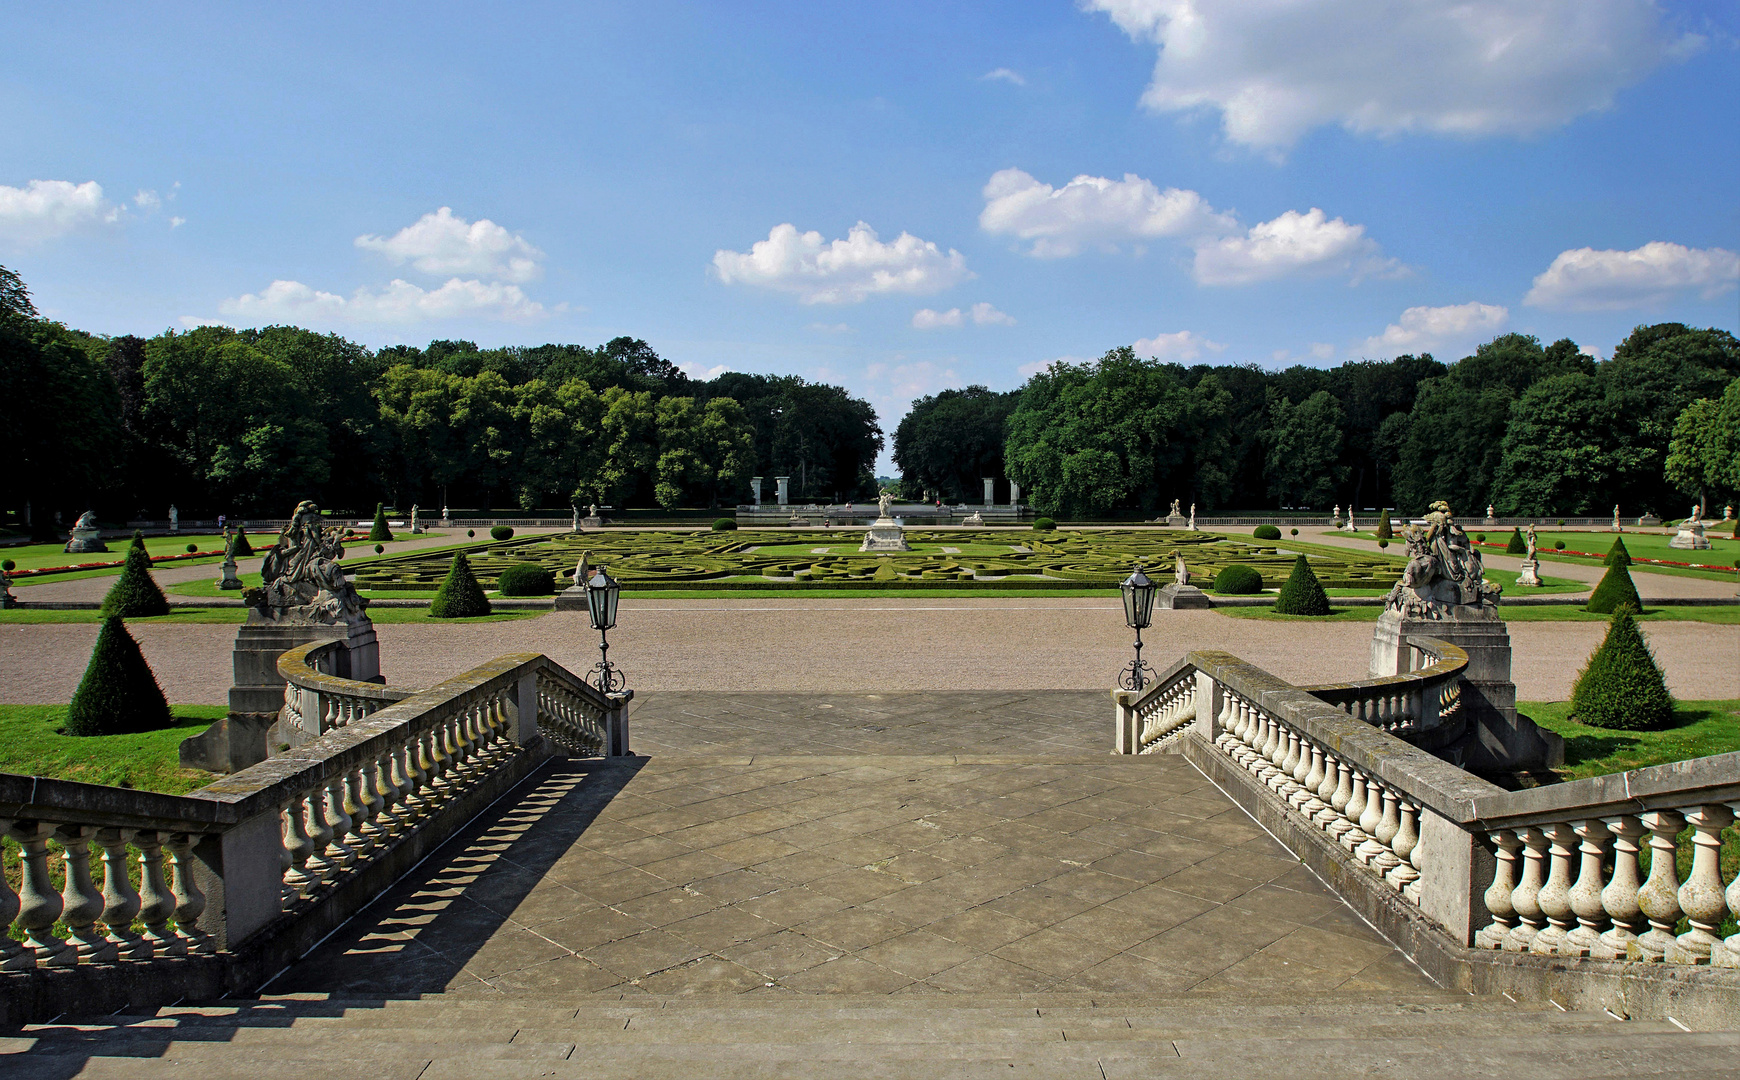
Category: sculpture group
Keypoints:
(1444, 571)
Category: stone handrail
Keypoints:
(1414, 701)
(1551, 871)
(316, 701)
(275, 841)
(1154, 715)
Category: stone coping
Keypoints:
(1448, 660)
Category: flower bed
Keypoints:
(16, 574)
(1603, 555)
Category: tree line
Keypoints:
(1529, 429)
(250, 421)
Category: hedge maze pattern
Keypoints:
(765, 558)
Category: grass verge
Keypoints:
(234, 616)
(1724, 615)
(31, 744)
(1700, 729)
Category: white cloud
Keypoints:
(1183, 345)
(1092, 211)
(148, 200)
(982, 314)
(1584, 279)
(1293, 243)
(702, 374)
(46, 209)
(177, 222)
(1005, 75)
(1424, 329)
(399, 302)
(842, 271)
(1275, 69)
(1591, 351)
(1322, 350)
(440, 243)
(1027, 371)
(831, 328)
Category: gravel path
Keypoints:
(863, 646)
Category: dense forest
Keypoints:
(249, 421)
(1527, 428)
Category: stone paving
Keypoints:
(873, 847)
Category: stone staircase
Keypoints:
(1421, 1035)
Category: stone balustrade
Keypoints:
(316, 700)
(273, 842)
(1412, 702)
(1151, 717)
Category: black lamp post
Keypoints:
(1138, 613)
(602, 593)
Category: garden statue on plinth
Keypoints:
(86, 535)
(416, 525)
(1176, 518)
(230, 582)
(1444, 594)
(1335, 517)
(174, 519)
(591, 520)
(886, 534)
(1531, 568)
(1181, 594)
(573, 598)
(304, 597)
(1192, 525)
(1691, 535)
(974, 518)
(1491, 518)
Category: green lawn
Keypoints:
(30, 743)
(1700, 729)
(1723, 615)
(234, 615)
(1724, 549)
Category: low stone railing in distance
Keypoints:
(316, 700)
(1412, 702)
(246, 858)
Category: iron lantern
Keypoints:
(602, 593)
(1138, 614)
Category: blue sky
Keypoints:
(898, 197)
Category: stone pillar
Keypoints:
(239, 873)
(784, 483)
(755, 490)
(1014, 493)
(1454, 873)
(990, 491)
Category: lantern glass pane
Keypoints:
(601, 596)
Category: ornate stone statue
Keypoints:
(885, 505)
(576, 518)
(1529, 539)
(1193, 515)
(1490, 515)
(174, 518)
(416, 525)
(1616, 525)
(1444, 572)
(304, 582)
(1335, 516)
(230, 582)
(592, 510)
(1175, 512)
(583, 569)
(1180, 573)
(86, 535)
(1697, 514)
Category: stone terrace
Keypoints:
(860, 844)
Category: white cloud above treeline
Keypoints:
(440, 243)
(1182, 345)
(399, 302)
(48, 209)
(981, 314)
(1584, 279)
(1094, 212)
(841, 271)
(1426, 329)
(1276, 69)
(1003, 74)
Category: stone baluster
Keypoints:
(1326, 789)
(1619, 898)
(1311, 803)
(1371, 819)
(1295, 791)
(389, 780)
(1416, 860)
(120, 899)
(156, 902)
(39, 903)
(1525, 898)
(13, 956)
(1283, 783)
(1585, 896)
(340, 853)
(320, 867)
(1701, 896)
(189, 901)
(1406, 839)
(1339, 801)
(1729, 954)
(367, 803)
(1555, 896)
(1223, 724)
(1243, 749)
(81, 903)
(1385, 859)
(298, 879)
(1364, 798)
(417, 765)
(442, 778)
(1659, 899)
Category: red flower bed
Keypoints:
(16, 574)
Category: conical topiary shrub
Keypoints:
(1302, 594)
(1617, 555)
(379, 530)
(1621, 687)
(459, 596)
(1616, 588)
(243, 548)
(1517, 545)
(1384, 532)
(118, 694)
(134, 595)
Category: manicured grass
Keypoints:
(1724, 549)
(1724, 615)
(235, 615)
(30, 744)
(1367, 613)
(1700, 729)
(35, 556)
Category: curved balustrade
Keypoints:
(1411, 702)
(316, 700)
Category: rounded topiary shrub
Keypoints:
(501, 532)
(1294, 532)
(724, 524)
(192, 548)
(1266, 532)
(379, 530)
(8, 565)
(471, 532)
(526, 579)
(459, 597)
(1615, 590)
(119, 694)
(243, 548)
(1481, 537)
(1558, 545)
(1617, 555)
(1622, 687)
(1238, 580)
(1517, 545)
(380, 548)
(135, 595)
(1044, 524)
(1384, 530)
(1302, 594)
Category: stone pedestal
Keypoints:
(990, 489)
(1648, 521)
(885, 535)
(1176, 521)
(784, 483)
(245, 737)
(1531, 573)
(573, 598)
(1690, 538)
(974, 518)
(755, 490)
(229, 582)
(1177, 597)
(592, 522)
(85, 540)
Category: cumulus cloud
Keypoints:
(1294, 243)
(1092, 211)
(47, 209)
(1183, 345)
(1004, 75)
(399, 302)
(1584, 279)
(1424, 329)
(1275, 69)
(981, 314)
(1027, 371)
(441, 243)
(841, 271)
(702, 373)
